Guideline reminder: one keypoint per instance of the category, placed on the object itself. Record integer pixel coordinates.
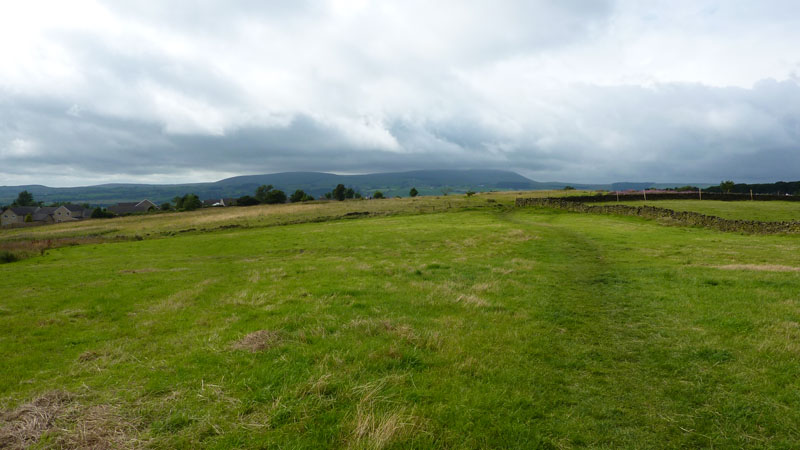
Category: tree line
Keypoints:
(264, 194)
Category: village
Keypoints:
(22, 216)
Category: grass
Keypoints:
(457, 328)
(766, 211)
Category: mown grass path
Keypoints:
(472, 329)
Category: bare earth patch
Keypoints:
(759, 267)
(258, 341)
(69, 423)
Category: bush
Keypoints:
(166, 206)
(569, 188)
(99, 213)
(300, 196)
(377, 194)
(247, 201)
(7, 257)
(470, 193)
(413, 192)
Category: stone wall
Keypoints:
(652, 212)
(681, 196)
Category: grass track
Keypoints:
(454, 330)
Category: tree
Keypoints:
(100, 213)
(188, 202)
(246, 200)
(727, 186)
(300, 196)
(349, 193)
(24, 198)
(377, 194)
(413, 192)
(339, 192)
(262, 191)
(445, 191)
(569, 188)
(470, 193)
(166, 206)
(275, 196)
(329, 195)
(28, 218)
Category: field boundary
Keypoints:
(689, 218)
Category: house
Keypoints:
(68, 212)
(45, 214)
(17, 214)
(219, 202)
(143, 206)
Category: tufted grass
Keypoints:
(476, 327)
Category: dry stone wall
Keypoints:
(690, 218)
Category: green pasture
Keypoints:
(766, 211)
(481, 326)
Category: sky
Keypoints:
(589, 91)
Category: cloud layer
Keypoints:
(571, 90)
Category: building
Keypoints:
(66, 213)
(219, 202)
(143, 206)
(17, 214)
(44, 214)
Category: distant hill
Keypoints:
(427, 182)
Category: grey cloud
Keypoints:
(254, 87)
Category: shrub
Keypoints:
(413, 192)
(246, 200)
(166, 206)
(377, 194)
(569, 188)
(470, 193)
(100, 213)
(7, 257)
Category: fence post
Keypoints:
(700, 191)
(644, 191)
(751, 195)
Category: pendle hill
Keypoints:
(427, 182)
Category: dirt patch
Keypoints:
(759, 267)
(69, 423)
(258, 341)
(23, 426)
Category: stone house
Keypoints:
(44, 214)
(143, 206)
(16, 214)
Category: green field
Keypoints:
(423, 325)
(766, 211)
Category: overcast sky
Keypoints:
(570, 90)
